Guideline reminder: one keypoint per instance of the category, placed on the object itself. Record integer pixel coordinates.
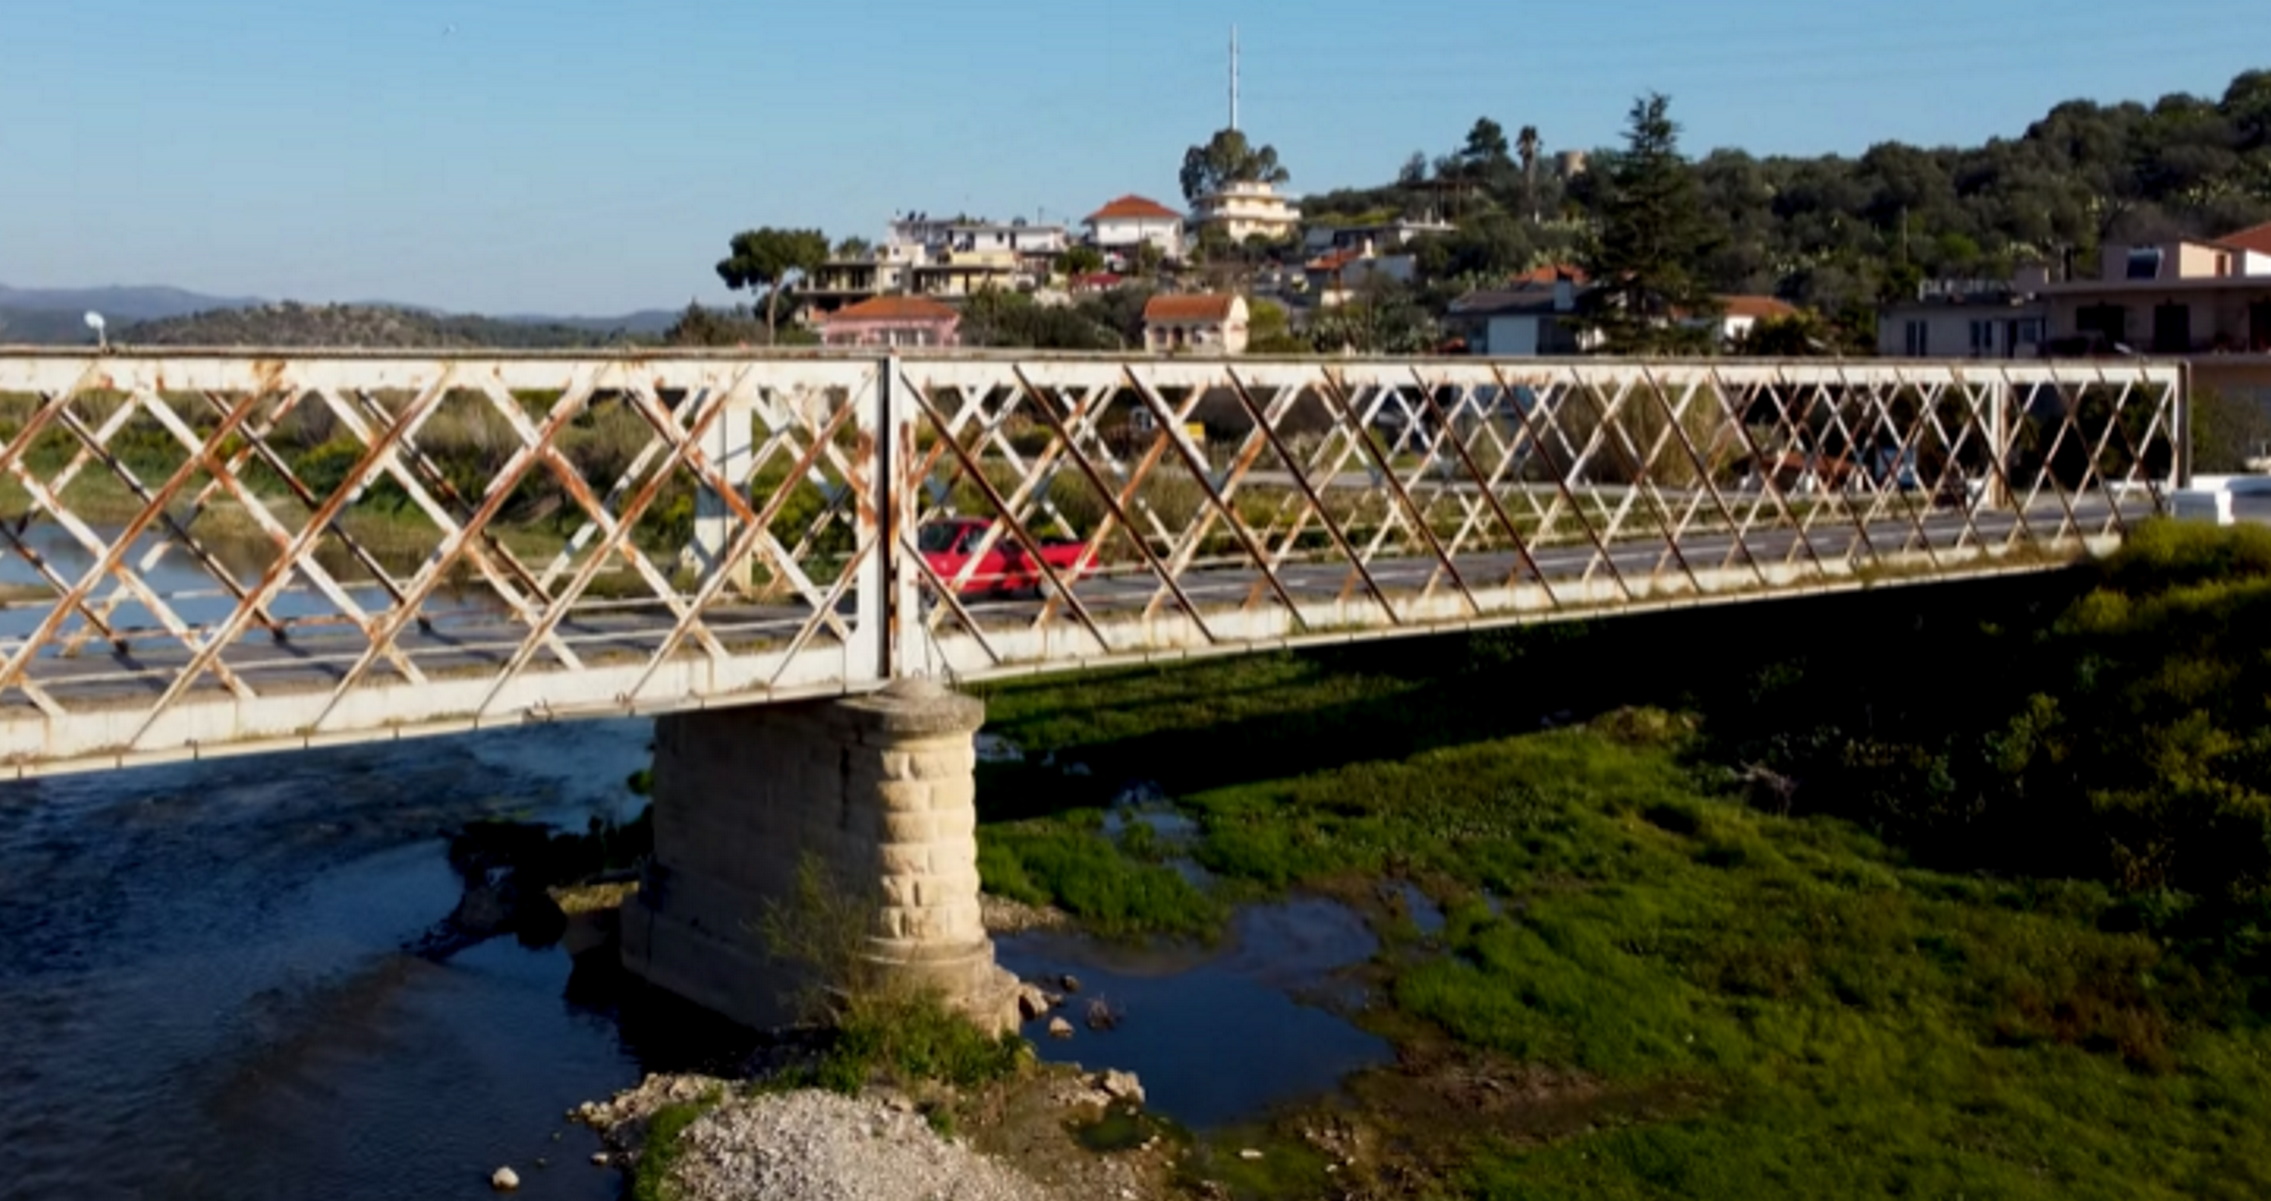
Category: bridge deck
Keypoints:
(1328, 501)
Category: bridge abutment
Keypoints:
(879, 790)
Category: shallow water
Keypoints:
(207, 995)
(1217, 1035)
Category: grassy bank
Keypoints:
(1939, 893)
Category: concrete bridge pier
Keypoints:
(881, 789)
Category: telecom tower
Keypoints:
(1234, 77)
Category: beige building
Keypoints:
(2205, 301)
(2173, 298)
(1247, 209)
(1204, 323)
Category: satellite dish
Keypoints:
(95, 321)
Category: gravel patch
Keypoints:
(1004, 916)
(816, 1146)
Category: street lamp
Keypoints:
(96, 323)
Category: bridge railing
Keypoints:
(204, 552)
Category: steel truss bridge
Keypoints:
(217, 553)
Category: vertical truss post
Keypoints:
(2180, 424)
(877, 527)
(2001, 429)
(899, 503)
(728, 445)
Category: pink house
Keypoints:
(891, 321)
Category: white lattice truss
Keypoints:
(205, 554)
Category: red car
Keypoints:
(947, 544)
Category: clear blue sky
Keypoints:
(579, 156)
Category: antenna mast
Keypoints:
(1234, 77)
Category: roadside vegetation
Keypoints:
(1955, 891)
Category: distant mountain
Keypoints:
(57, 317)
(291, 325)
(119, 305)
(44, 327)
(645, 321)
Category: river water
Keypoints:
(205, 991)
(206, 987)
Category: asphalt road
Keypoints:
(469, 638)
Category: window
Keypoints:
(2145, 263)
(2026, 331)
(1982, 338)
(1919, 339)
(2109, 322)
(2172, 328)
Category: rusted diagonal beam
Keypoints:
(458, 543)
(176, 530)
(1561, 486)
(742, 544)
(1114, 509)
(1171, 430)
(615, 530)
(1488, 487)
(1016, 528)
(107, 565)
(1674, 419)
(1301, 481)
(1337, 398)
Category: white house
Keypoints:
(1132, 221)
(1738, 315)
(1532, 317)
(1392, 235)
(1247, 209)
(1966, 319)
(1332, 277)
(1203, 322)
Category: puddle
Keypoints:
(993, 748)
(1421, 908)
(1170, 824)
(1145, 811)
(1217, 1035)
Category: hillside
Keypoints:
(1835, 232)
(42, 327)
(292, 325)
(122, 305)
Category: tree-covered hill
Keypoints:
(344, 325)
(1837, 231)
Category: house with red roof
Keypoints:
(1738, 315)
(1131, 221)
(1205, 323)
(891, 321)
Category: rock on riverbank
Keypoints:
(810, 1145)
(807, 1145)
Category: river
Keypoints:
(206, 992)
(209, 993)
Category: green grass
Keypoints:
(1837, 1007)
(906, 1036)
(1112, 889)
(650, 1179)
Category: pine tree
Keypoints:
(1652, 241)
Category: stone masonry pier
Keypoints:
(881, 790)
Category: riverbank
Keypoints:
(1732, 906)
(1718, 905)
